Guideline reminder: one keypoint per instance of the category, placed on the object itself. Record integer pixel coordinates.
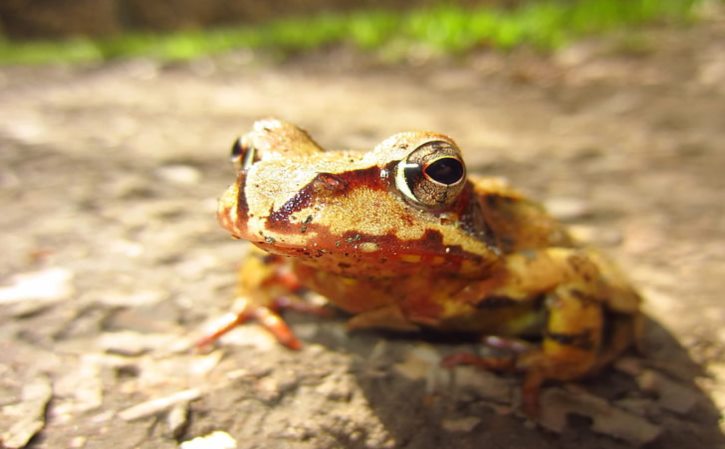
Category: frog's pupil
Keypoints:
(447, 170)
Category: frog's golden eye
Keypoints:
(243, 154)
(432, 175)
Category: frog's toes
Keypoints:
(246, 311)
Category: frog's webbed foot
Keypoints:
(505, 355)
(267, 317)
(501, 355)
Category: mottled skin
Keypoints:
(403, 241)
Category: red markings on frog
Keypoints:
(323, 186)
(348, 255)
(242, 207)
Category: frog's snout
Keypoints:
(231, 212)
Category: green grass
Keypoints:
(445, 29)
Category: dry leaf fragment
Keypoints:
(157, 405)
(558, 403)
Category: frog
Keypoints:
(403, 238)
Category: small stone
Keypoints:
(629, 365)
(130, 343)
(567, 209)
(28, 292)
(77, 442)
(484, 384)
(137, 299)
(336, 388)
(558, 403)
(596, 235)
(215, 440)
(418, 362)
(204, 364)
(466, 424)
(178, 419)
(29, 414)
(80, 388)
(179, 174)
(158, 405)
(671, 395)
(268, 389)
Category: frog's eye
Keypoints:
(243, 154)
(432, 175)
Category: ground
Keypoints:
(113, 259)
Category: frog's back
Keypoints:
(515, 222)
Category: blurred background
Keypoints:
(117, 120)
(183, 29)
(28, 19)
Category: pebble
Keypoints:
(215, 440)
(671, 395)
(178, 419)
(567, 209)
(130, 343)
(136, 299)
(30, 413)
(558, 403)
(418, 362)
(466, 424)
(485, 384)
(41, 287)
(157, 405)
(179, 174)
(595, 235)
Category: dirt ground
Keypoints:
(112, 258)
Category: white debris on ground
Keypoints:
(28, 415)
(158, 405)
(557, 404)
(670, 394)
(215, 440)
(26, 293)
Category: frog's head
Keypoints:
(402, 208)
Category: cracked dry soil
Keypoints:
(112, 258)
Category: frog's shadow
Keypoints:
(414, 416)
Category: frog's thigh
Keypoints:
(573, 332)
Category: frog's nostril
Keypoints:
(237, 148)
(243, 153)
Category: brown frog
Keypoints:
(402, 238)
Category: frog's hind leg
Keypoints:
(581, 332)
(570, 346)
(502, 355)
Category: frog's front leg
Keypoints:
(577, 286)
(266, 285)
